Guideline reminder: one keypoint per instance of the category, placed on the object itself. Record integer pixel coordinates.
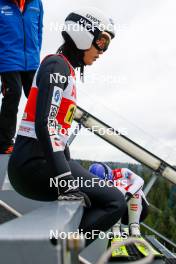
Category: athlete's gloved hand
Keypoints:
(128, 196)
(75, 195)
(70, 192)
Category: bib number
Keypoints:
(70, 114)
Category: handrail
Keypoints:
(125, 144)
(159, 235)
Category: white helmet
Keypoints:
(85, 26)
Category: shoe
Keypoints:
(116, 229)
(6, 149)
(134, 230)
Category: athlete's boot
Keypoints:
(134, 230)
(116, 229)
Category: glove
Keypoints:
(75, 195)
(128, 196)
(72, 193)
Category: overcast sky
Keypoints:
(132, 86)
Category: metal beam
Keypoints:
(165, 239)
(170, 257)
(3, 168)
(150, 184)
(125, 144)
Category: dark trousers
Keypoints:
(12, 83)
(32, 180)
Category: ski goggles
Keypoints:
(102, 42)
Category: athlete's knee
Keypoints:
(13, 94)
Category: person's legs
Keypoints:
(32, 180)
(135, 208)
(11, 90)
(144, 212)
(108, 203)
(137, 211)
(27, 79)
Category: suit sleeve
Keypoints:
(136, 182)
(48, 102)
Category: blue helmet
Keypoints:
(101, 170)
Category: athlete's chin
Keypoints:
(91, 62)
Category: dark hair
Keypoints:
(72, 53)
(70, 50)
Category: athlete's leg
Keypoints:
(144, 212)
(135, 208)
(32, 179)
(108, 204)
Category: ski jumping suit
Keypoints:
(128, 181)
(41, 150)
